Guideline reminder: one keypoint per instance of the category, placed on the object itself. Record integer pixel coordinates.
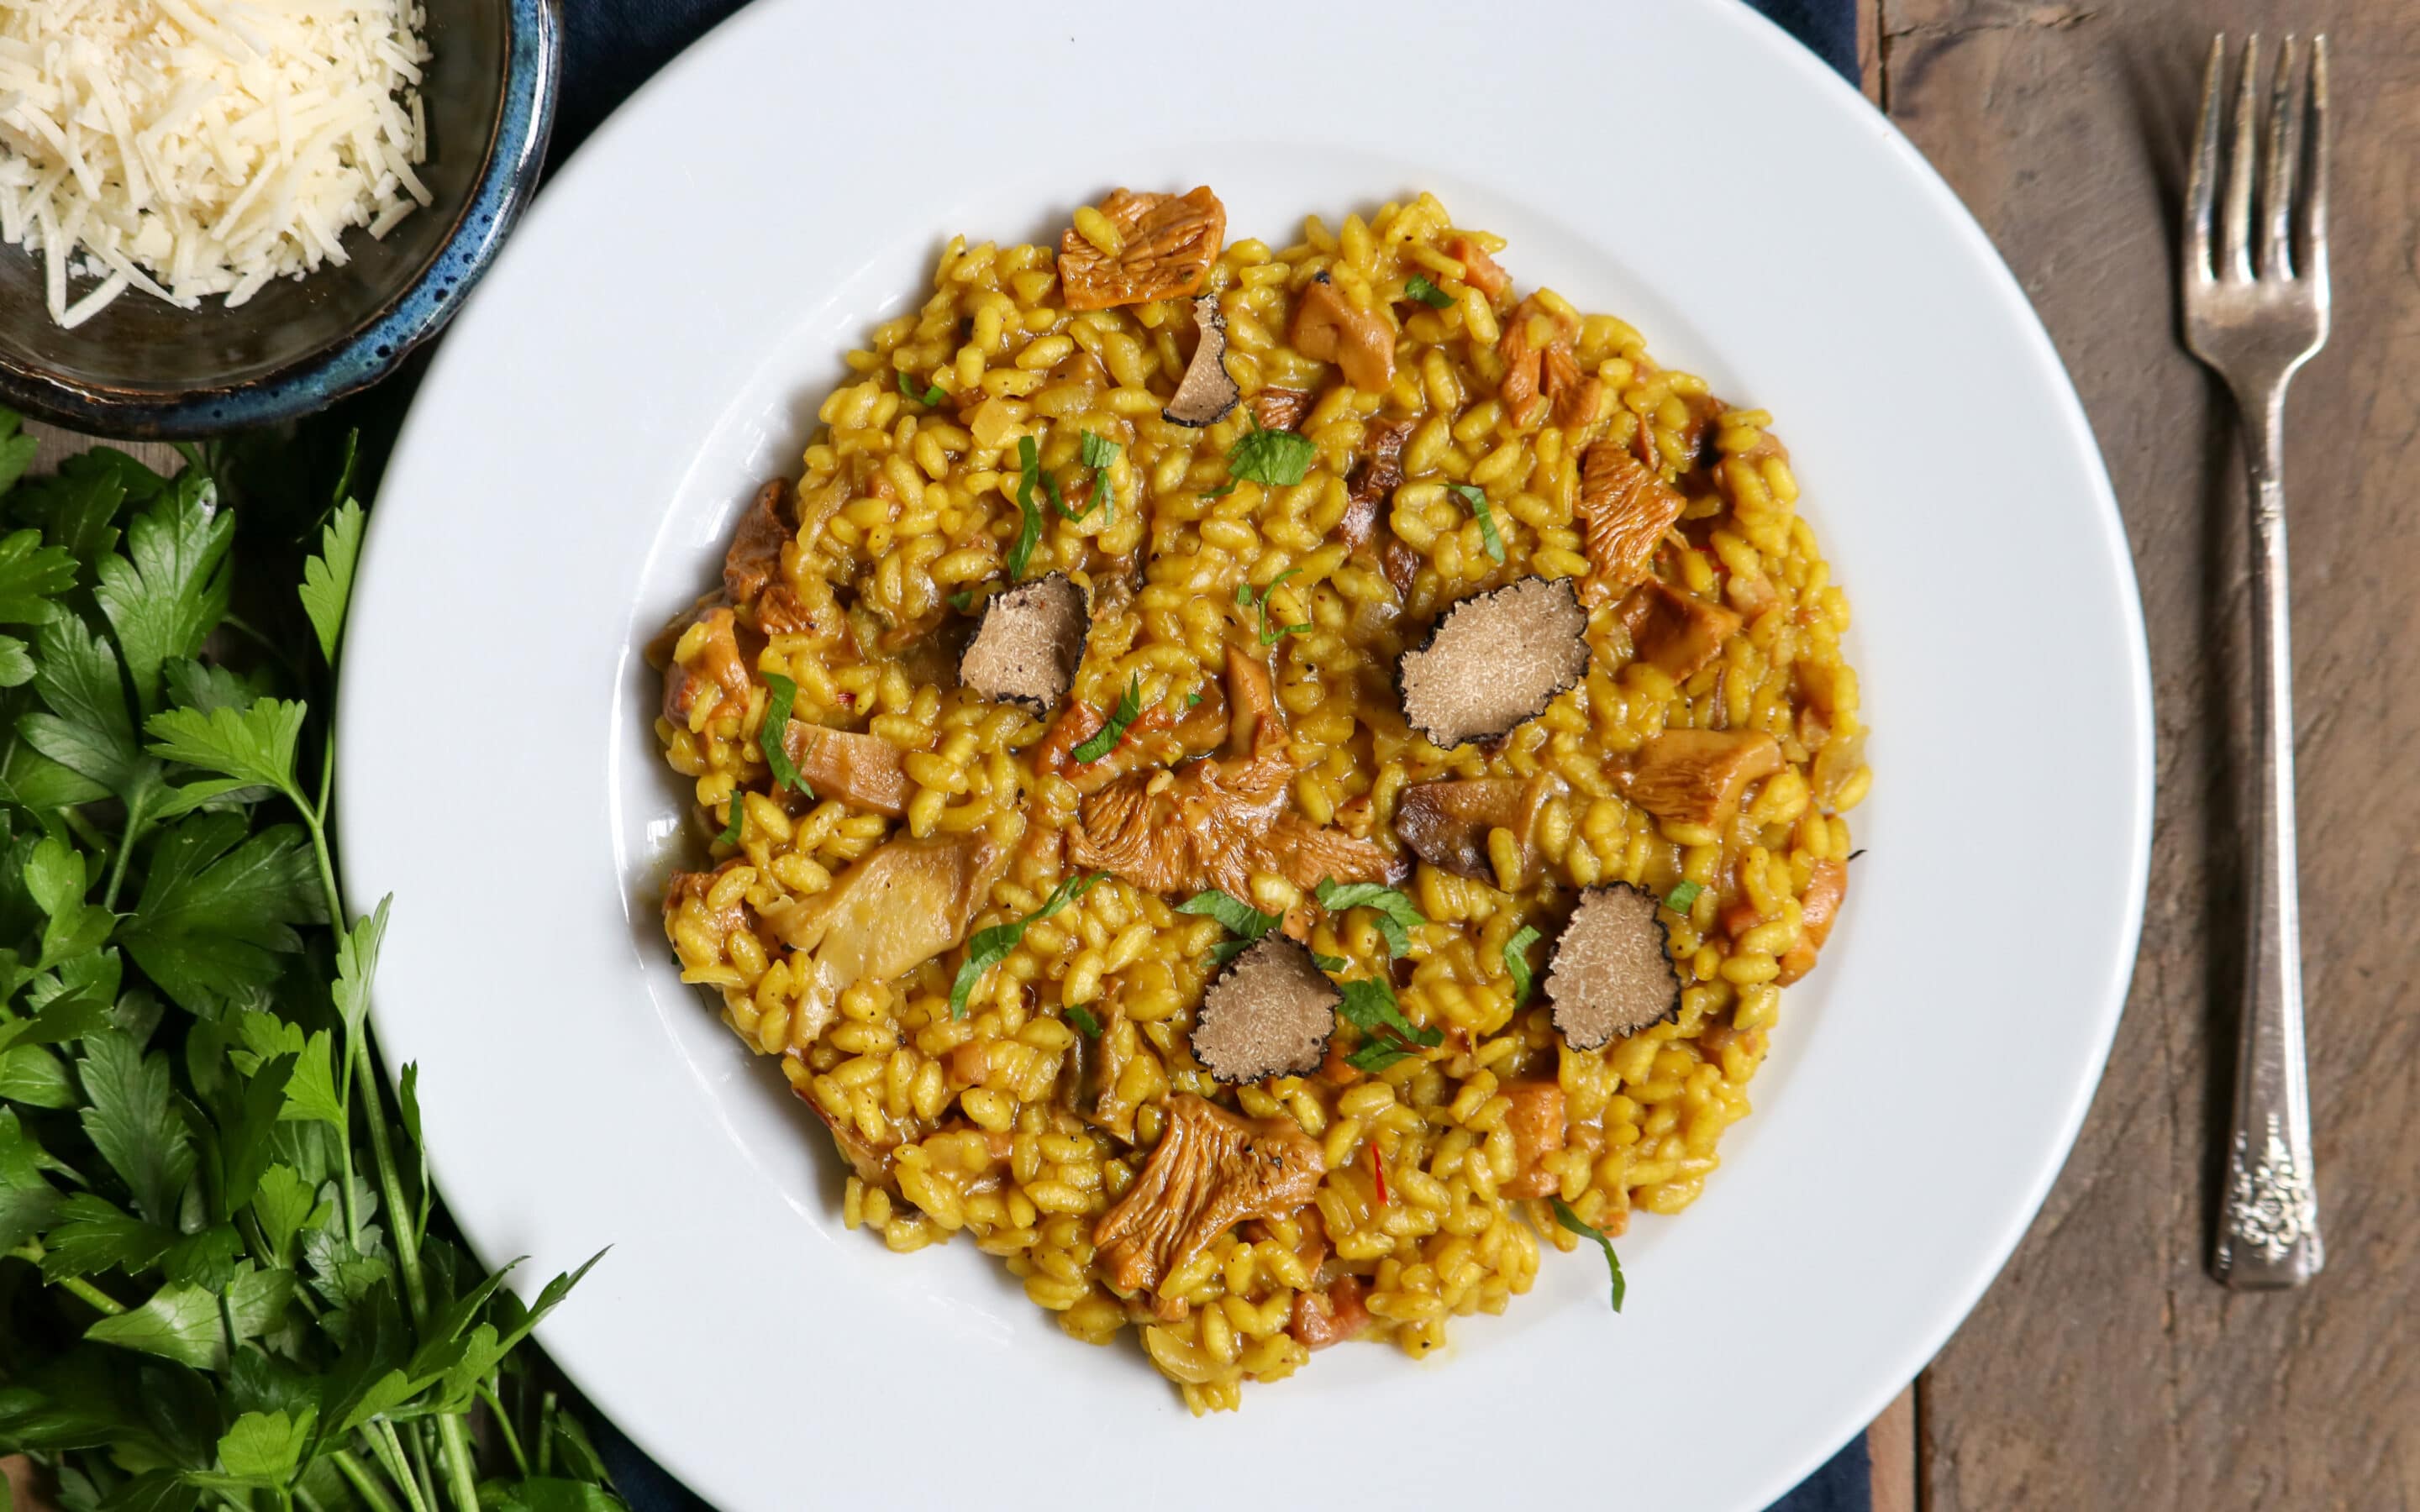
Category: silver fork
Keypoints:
(2256, 302)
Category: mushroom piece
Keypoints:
(1268, 1014)
(1827, 886)
(1327, 328)
(1611, 972)
(902, 903)
(862, 770)
(1206, 393)
(1212, 1170)
(714, 661)
(1026, 647)
(1280, 409)
(1165, 246)
(1675, 633)
(1447, 822)
(1698, 777)
(1374, 481)
(1623, 510)
(1494, 661)
(1535, 1121)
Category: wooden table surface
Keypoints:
(2105, 1369)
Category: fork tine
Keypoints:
(2234, 216)
(2278, 175)
(2201, 191)
(2314, 261)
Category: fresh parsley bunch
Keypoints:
(222, 1281)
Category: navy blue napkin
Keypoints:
(613, 47)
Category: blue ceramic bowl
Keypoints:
(141, 368)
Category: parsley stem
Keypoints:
(358, 1476)
(389, 1451)
(136, 820)
(100, 1301)
(503, 1422)
(455, 1445)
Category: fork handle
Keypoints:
(2269, 1228)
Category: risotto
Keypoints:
(1098, 659)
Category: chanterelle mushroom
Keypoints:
(1213, 1170)
(1328, 328)
(1696, 777)
(1214, 823)
(904, 903)
(1447, 824)
(1623, 510)
(1165, 246)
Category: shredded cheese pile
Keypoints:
(197, 147)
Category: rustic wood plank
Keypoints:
(2105, 1369)
(52, 443)
(1890, 1446)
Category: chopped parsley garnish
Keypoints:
(1418, 287)
(1329, 963)
(1240, 920)
(1516, 961)
(1193, 700)
(1029, 464)
(1106, 738)
(1075, 1013)
(780, 693)
(1573, 1221)
(1222, 490)
(931, 393)
(1370, 1006)
(1680, 898)
(1272, 458)
(1487, 532)
(964, 600)
(990, 947)
(738, 822)
(1397, 914)
(1097, 453)
(1246, 598)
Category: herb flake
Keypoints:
(990, 947)
(928, 396)
(1078, 1015)
(1516, 962)
(1575, 1222)
(1105, 739)
(1273, 458)
(1398, 915)
(1029, 533)
(737, 824)
(1418, 287)
(1488, 534)
(1370, 1006)
(1681, 898)
(780, 694)
(1239, 918)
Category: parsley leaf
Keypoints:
(132, 1121)
(1487, 533)
(1397, 914)
(780, 693)
(739, 821)
(1029, 466)
(1573, 1221)
(170, 588)
(1516, 961)
(1238, 917)
(1105, 739)
(928, 396)
(87, 728)
(992, 946)
(1370, 1006)
(1222, 490)
(1270, 457)
(1680, 898)
(1329, 963)
(1097, 451)
(1077, 1014)
(328, 578)
(1418, 287)
(218, 909)
(251, 748)
(964, 600)
(31, 575)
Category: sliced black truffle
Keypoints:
(1027, 643)
(1494, 661)
(1268, 1014)
(1206, 393)
(1611, 973)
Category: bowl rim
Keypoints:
(373, 345)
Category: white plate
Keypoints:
(656, 340)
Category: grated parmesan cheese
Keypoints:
(187, 149)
